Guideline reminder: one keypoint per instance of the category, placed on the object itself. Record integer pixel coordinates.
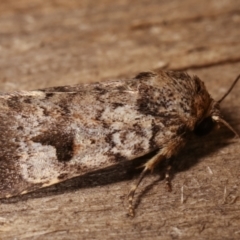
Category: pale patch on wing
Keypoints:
(39, 163)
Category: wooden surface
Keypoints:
(57, 42)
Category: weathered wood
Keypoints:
(47, 43)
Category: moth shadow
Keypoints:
(193, 153)
(195, 150)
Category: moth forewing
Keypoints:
(54, 134)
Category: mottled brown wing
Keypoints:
(51, 135)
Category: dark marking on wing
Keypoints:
(63, 142)
(178, 75)
(99, 113)
(109, 140)
(155, 130)
(62, 176)
(64, 107)
(49, 95)
(144, 75)
(14, 103)
(117, 104)
(58, 89)
(119, 157)
(115, 157)
(28, 100)
(100, 90)
(152, 101)
(138, 130)
(137, 149)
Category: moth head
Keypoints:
(213, 116)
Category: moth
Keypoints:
(54, 134)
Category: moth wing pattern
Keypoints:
(54, 134)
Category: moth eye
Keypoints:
(204, 127)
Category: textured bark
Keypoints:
(49, 43)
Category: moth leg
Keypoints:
(132, 192)
(167, 176)
(148, 166)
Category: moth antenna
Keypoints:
(229, 90)
(218, 119)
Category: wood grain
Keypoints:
(48, 43)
